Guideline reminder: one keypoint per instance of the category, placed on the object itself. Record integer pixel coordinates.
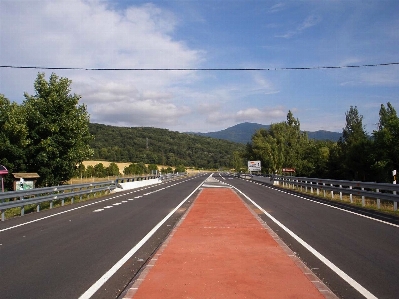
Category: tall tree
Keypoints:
(355, 147)
(58, 132)
(386, 140)
(13, 138)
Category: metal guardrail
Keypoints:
(15, 199)
(378, 191)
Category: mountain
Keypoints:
(243, 132)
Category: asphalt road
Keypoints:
(63, 255)
(364, 249)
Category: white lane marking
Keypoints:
(56, 214)
(321, 257)
(338, 208)
(98, 210)
(99, 283)
(117, 204)
(50, 216)
(108, 207)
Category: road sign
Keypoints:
(254, 166)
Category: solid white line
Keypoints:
(36, 220)
(321, 257)
(340, 209)
(99, 283)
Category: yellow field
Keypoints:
(123, 165)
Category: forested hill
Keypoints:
(160, 146)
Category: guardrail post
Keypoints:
(340, 193)
(306, 187)
(350, 195)
(363, 199)
(378, 200)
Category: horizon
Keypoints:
(207, 65)
(195, 132)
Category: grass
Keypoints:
(32, 208)
(386, 206)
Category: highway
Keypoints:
(63, 255)
(68, 252)
(364, 249)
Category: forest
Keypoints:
(160, 146)
(356, 156)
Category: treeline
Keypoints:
(356, 156)
(160, 146)
(100, 171)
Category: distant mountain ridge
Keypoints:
(242, 133)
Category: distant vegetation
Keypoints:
(160, 146)
(356, 155)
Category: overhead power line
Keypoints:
(199, 69)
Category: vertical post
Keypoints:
(350, 195)
(38, 208)
(340, 193)
(22, 210)
(311, 187)
(51, 204)
(332, 192)
(395, 203)
(363, 199)
(378, 200)
(2, 215)
(324, 189)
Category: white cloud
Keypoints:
(264, 115)
(309, 22)
(91, 34)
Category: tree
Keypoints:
(58, 132)
(13, 138)
(355, 147)
(112, 169)
(283, 145)
(386, 143)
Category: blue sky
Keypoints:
(208, 34)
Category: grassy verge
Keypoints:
(15, 212)
(386, 206)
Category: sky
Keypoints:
(194, 35)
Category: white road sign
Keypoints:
(254, 166)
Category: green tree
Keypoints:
(386, 140)
(283, 145)
(100, 171)
(355, 147)
(112, 169)
(58, 132)
(13, 138)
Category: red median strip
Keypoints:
(221, 250)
